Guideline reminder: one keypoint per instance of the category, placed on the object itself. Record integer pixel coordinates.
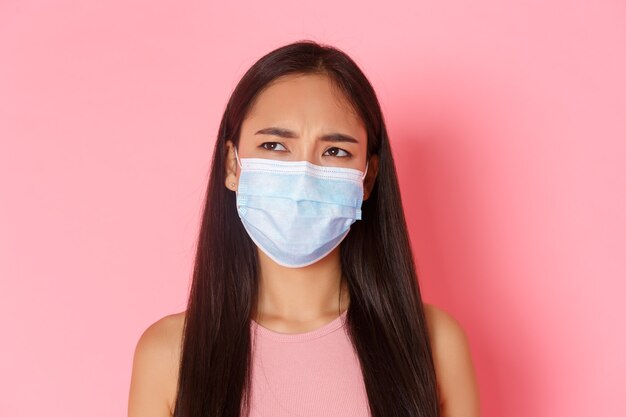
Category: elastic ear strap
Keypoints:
(366, 166)
(237, 156)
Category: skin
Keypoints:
(296, 300)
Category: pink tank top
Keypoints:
(312, 374)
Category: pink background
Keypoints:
(507, 120)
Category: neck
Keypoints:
(301, 294)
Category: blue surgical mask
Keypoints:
(297, 212)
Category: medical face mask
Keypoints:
(297, 212)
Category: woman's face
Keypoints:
(302, 118)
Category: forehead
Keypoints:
(306, 98)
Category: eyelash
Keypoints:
(270, 143)
(348, 154)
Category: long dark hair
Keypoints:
(385, 318)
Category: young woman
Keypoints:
(305, 299)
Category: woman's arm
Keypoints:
(456, 375)
(155, 369)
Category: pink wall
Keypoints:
(508, 121)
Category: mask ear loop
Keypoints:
(240, 166)
(237, 157)
(366, 166)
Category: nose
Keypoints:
(306, 151)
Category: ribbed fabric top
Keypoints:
(311, 374)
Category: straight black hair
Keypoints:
(385, 318)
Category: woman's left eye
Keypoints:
(338, 152)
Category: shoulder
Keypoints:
(452, 357)
(442, 324)
(155, 368)
(163, 333)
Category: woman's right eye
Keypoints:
(272, 146)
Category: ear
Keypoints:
(231, 166)
(370, 177)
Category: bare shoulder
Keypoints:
(452, 357)
(155, 368)
(442, 324)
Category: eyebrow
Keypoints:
(286, 133)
